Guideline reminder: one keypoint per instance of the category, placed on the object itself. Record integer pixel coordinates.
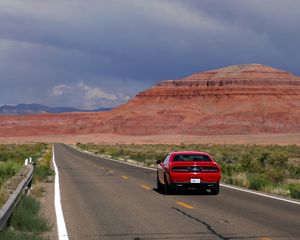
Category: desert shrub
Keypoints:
(19, 153)
(276, 175)
(278, 159)
(258, 181)
(26, 217)
(240, 179)
(26, 222)
(294, 171)
(43, 168)
(41, 172)
(294, 190)
(294, 167)
(8, 169)
(12, 157)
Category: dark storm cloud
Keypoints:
(93, 53)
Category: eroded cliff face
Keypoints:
(251, 79)
(238, 99)
(242, 99)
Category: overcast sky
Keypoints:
(89, 54)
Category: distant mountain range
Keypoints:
(38, 108)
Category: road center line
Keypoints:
(146, 187)
(182, 204)
(61, 226)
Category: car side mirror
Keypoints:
(158, 162)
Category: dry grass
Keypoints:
(3, 196)
(241, 179)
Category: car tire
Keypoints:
(215, 190)
(167, 189)
(159, 184)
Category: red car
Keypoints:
(196, 170)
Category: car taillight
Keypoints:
(180, 169)
(210, 169)
(204, 169)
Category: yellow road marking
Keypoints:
(125, 177)
(184, 205)
(109, 171)
(265, 238)
(146, 187)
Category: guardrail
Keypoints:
(14, 198)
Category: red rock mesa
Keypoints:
(241, 99)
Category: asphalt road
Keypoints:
(103, 199)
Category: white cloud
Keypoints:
(59, 89)
(95, 93)
(85, 96)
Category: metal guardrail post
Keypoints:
(14, 198)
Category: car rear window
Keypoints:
(191, 158)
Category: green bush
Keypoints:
(258, 181)
(26, 216)
(294, 171)
(12, 157)
(15, 152)
(41, 172)
(294, 190)
(26, 223)
(43, 168)
(8, 169)
(276, 175)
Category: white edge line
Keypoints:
(61, 226)
(260, 194)
(110, 159)
(222, 184)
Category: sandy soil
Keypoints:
(47, 205)
(281, 139)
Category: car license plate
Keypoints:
(195, 180)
